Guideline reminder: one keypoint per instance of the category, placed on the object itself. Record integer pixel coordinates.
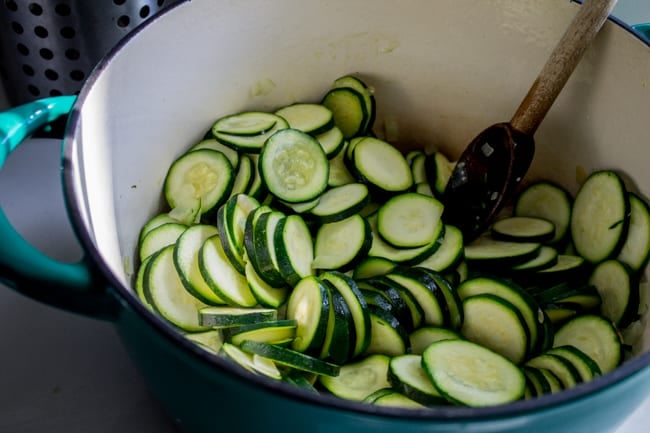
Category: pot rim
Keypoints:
(169, 332)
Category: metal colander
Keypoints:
(48, 47)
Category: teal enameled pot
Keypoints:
(442, 70)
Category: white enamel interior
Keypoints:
(443, 70)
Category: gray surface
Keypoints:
(63, 373)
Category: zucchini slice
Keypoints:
(522, 301)
(584, 365)
(294, 166)
(290, 358)
(341, 244)
(251, 143)
(160, 237)
(373, 267)
(487, 251)
(381, 165)
(340, 336)
(312, 119)
(495, 323)
(410, 220)
(636, 249)
(309, 306)
(600, 217)
(559, 366)
(294, 249)
(205, 175)
(214, 144)
(266, 294)
(548, 201)
(355, 83)
(246, 124)
(224, 317)
(332, 141)
(431, 301)
(470, 374)
(594, 335)
(357, 380)
(168, 295)
(449, 253)
(618, 290)
(355, 301)
(523, 229)
(387, 335)
(546, 257)
(218, 272)
(349, 110)
(406, 375)
(186, 260)
(156, 221)
(341, 202)
(424, 336)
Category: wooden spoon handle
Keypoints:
(558, 68)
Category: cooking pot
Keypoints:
(441, 71)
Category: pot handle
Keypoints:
(70, 286)
(643, 30)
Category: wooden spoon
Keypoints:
(494, 163)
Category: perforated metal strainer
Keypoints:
(48, 47)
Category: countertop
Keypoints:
(64, 373)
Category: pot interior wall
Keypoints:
(442, 71)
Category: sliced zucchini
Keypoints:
(424, 336)
(160, 237)
(294, 249)
(536, 380)
(158, 220)
(211, 340)
(636, 249)
(406, 375)
(294, 166)
(223, 317)
(247, 123)
(357, 380)
(332, 141)
(495, 323)
(470, 374)
(268, 332)
(523, 229)
(349, 110)
(168, 295)
(339, 173)
(186, 260)
(214, 144)
(600, 216)
(139, 282)
(340, 337)
(487, 251)
(410, 220)
(424, 188)
(430, 300)
(406, 256)
(341, 244)
(548, 201)
(439, 170)
(594, 335)
(309, 306)
(373, 267)
(264, 250)
(222, 277)
(559, 366)
(341, 202)
(251, 143)
(244, 176)
(266, 294)
(381, 165)
(515, 295)
(350, 292)
(398, 297)
(567, 268)
(546, 257)
(357, 84)
(387, 335)
(618, 290)
(291, 358)
(453, 302)
(584, 365)
(448, 254)
(396, 399)
(312, 119)
(206, 175)
(418, 169)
